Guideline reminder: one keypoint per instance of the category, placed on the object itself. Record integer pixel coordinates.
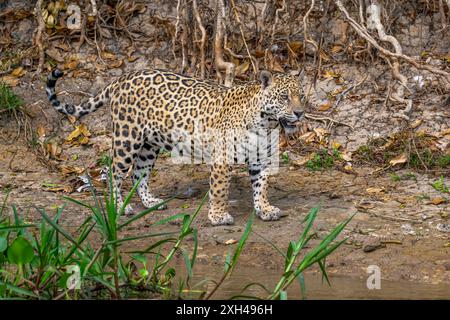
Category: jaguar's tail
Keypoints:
(81, 109)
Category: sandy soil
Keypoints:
(396, 225)
(396, 228)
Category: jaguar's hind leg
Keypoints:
(218, 195)
(143, 166)
(120, 166)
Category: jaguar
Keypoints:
(155, 109)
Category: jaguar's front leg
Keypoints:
(259, 175)
(218, 195)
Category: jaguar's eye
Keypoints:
(285, 96)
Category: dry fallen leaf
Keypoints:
(321, 133)
(438, 200)
(41, 131)
(348, 167)
(70, 65)
(295, 46)
(259, 53)
(231, 241)
(54, 150)
(325, 106)
(66, 170)
(308, 137)
(346, 156)
(133, 58)
(416, 123)
(72, 119)
(364, 205)
(242, 68)
(444, 133)
(331, 74)
(301, 161)
(10, 80)
(60, 188)
(80, 135)
(337, 48)
(283, 141)
(108, 55)
(115, 64)
(374, 190)
(402, 158)
(276, 66)
(55, 54)
(336, 145)
(18, 72)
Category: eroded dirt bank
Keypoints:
(400, 221)
(396, 226)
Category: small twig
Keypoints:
(442, 14)
(392, 218)
(177, 28)
(12, 159)
(418, 154)
(352, 87)
(319, 118)
(305, 31)
(277, 18)
(62, 294)
(255, 70)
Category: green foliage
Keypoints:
(20, 251)
(444, 161)
(323, 160)
(37, 261)
(439, 185)
(285, 157)
(9, 101)
(419, 148)
(104, 160)
(407, 176)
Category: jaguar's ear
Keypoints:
(266, 79)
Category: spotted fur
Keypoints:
(149, 106)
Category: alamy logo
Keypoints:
(74, 19)
(74, 280)
(230, 147)
(374, 280)
(73, 11)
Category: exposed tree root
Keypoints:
(202, 39)
(39, 35)
(374, 22)
(221, 64)
(365, 35)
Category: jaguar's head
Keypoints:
(282, 99)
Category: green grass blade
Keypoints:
(77, 202)
(144, 213)
(129, 196)
(301, 281)
(14, 228)
(143, 236)
(19, 291)
(59, 229)
(324, 271)
(271, 243)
